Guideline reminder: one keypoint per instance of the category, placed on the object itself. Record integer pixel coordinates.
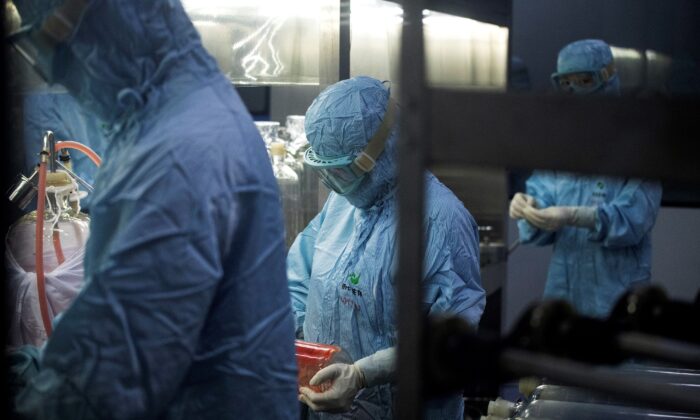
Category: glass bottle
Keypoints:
(290, 192)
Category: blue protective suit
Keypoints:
(185, 313)
(592, 268)
(341, 267)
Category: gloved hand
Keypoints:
(372, 370)
(347, 381)
(519, 203)
(556, 217)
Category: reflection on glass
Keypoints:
(262, 42)
(464, 52)
(460, 52)
(655, 46)
(586, 67)
(641, 71)
(599, 226)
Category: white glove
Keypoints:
(347, 381)
(372, 370)
(556, 217)
(519, 203)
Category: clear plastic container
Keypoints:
(70, 232)
(63, 252)
(312, 357)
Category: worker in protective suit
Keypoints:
(184, 313)
(341, 267)
(600, 226)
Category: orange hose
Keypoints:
(40, 281)
(57, 247)
(69, 144)
(39, 247)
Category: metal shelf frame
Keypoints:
(655, 138)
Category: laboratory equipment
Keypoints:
(45, 247)
(290, 191)
(555, 401)
(584, 411)
(301, 198)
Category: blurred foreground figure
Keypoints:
(184, 313)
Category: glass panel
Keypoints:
(464, 53)
(263, 42)
(653, 43)
(461, 52)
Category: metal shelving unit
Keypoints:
(657, 138)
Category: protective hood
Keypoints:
(588, 55)
(340, 122)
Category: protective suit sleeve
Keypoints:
(126, 344)
(452, 278)
(627, 219)
(540, 186)
(299, 261)
(378, 368)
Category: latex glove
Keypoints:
(347, 381)
(556, 217)
(372, 370)
(519, 203)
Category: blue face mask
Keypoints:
(38, 44)
(343, 174)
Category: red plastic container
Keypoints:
(312, 357)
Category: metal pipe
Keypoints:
(49, 146)
(660, 348)
(24, 190)
(411, 166)
(658, 395)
